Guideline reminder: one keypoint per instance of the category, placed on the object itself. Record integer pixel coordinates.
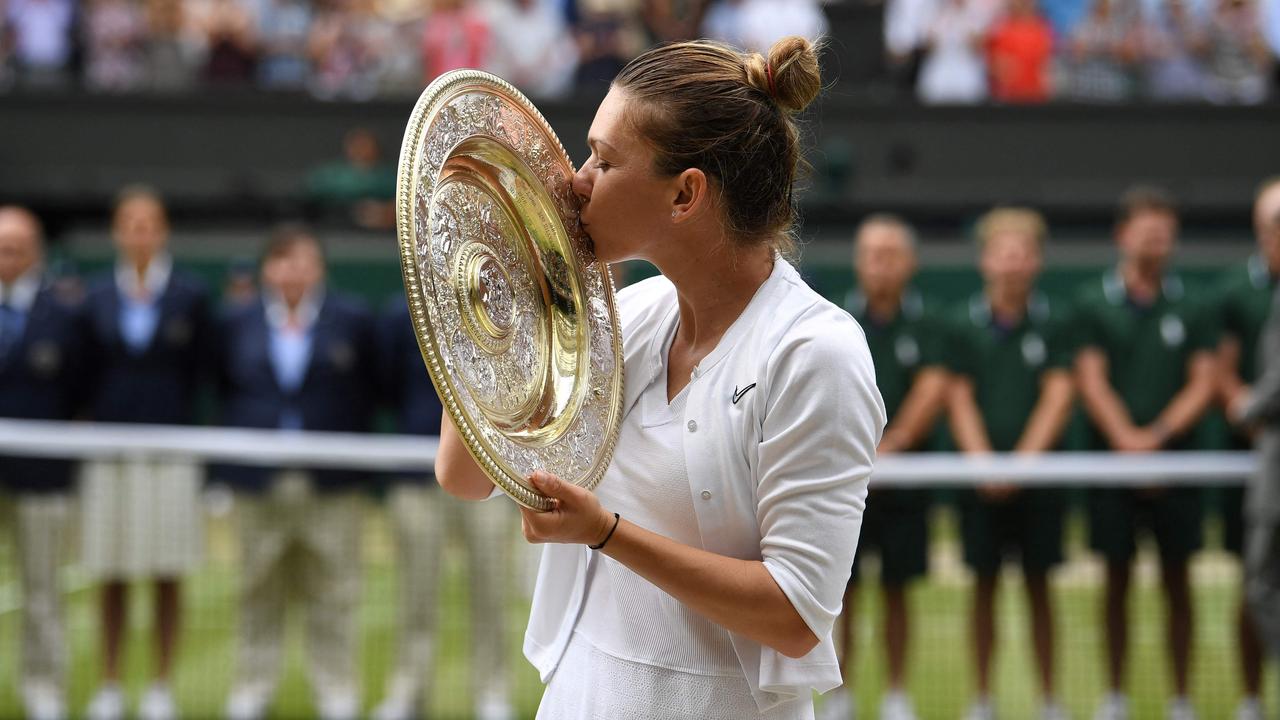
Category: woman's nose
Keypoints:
(581, 185)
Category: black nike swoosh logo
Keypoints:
(737, 394)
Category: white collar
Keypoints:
(1259, 273)
(277, 311)
(21, 294)
(154, 279)
(910, 305)
(981, 314)
(1116, 292)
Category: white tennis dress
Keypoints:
(637, 652)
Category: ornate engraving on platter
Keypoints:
(514, 314)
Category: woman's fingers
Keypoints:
(574, 516)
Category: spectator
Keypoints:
(1246, 301)
(1269, 12)
(1171, 44)
(423, 522)
(8, 64)
(360, 188)
(1238, 58)
(299, 359)
(401, 61)
(456, 36)
(1100, 54)
(608, 34)
(673, 20)
(174, 49)
(1145, 370)
(1012, 393)
(532, 48)
(231, 38)
(283, 28)
(906, 31)
(42, 31)
(1019, 48)
(344, 61)
(149, 344)
(723, 22)
(954, 70)
(41, 374)
(906, 351)
(115, 45)
(764, 22)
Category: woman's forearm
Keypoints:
(738, 595)
(456, 471)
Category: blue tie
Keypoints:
(11, 322)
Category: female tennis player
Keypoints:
(702, 577)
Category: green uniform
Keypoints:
(1007, 365)
(1147, 350)
(1243, 306)
(895, 523)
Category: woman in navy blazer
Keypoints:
(149, 333)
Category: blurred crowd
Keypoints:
(358, 49)
(944, 51)
(1092, 51)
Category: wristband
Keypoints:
(616, 519)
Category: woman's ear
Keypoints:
(691, 194)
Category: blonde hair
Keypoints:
(705, 105)
(1021, 220)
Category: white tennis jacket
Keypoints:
(782, 422)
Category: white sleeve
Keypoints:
(818, 443)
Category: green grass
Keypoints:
(940, 673)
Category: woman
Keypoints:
(750, 423)
(149, 339)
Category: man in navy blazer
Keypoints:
(301, 358)
(149, 332)
(41, 356)
(421, 519)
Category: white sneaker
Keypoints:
(981, 710)
(1051, 710)
(896, 706)
(43, 702)
(157, 704)
(494, 706)
(247, 703)
(837, 705)
(1250, 708)
(338, 706)
(1181, 709)
(1114, 707)
(107, 704)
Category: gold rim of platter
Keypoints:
(514, 315)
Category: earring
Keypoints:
(673, 213)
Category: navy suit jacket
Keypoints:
(338, 392)
(43, 378)
(159, 384)
(407, 388)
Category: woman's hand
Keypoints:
(576, 515)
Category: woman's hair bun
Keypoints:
(790, 75)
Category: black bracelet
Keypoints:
(616, 519)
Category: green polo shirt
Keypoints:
(1007, 364)
(1147, 347)
(901, 348)
(1244, 303)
